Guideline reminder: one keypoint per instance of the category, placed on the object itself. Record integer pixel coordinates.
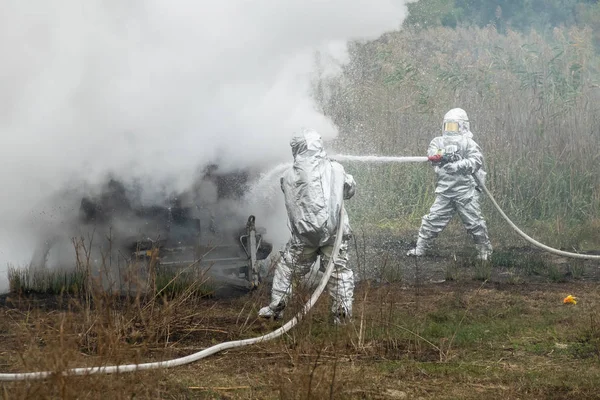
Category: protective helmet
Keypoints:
(307, 142)
(456, 121)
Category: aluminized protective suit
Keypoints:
(456, 189)
(314, 190)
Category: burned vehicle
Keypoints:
(199, 229)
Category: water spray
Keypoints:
(377, 159)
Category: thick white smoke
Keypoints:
(148, 88)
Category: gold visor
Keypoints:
(450, 126)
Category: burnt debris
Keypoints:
(177, 221)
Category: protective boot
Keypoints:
(484, 251)
(482, 241)
(342, 316)
(420, 250)
(416, 252)
(272, 312)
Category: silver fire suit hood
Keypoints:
(314, 190)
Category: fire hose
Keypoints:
(208, 351)
(306, 308)
(530, 239)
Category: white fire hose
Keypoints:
(206, 352)
(290, 324)
(531, 240)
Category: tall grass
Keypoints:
(46, 281)
(149, 304)
(143, 276)
(534, 109)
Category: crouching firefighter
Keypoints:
(456, 158)
(314, 189)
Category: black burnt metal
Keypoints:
(176, 232)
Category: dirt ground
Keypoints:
(439, 327)
(381, 256)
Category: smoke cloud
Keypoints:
(154, 90)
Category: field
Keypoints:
(442, 327)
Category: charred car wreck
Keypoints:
(199, 228)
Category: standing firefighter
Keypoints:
(314, 190)
(456, 157)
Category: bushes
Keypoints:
(533, 103)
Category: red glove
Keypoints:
(435, 158)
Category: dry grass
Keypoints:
(462, 339)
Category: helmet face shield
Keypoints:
(451, 126)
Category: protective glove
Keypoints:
(451, 168)
(349, 187)
(464, 167)
(435, 158)
(461, 166)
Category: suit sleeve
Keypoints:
(473, 159)
(349, 186)
(434, 147)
